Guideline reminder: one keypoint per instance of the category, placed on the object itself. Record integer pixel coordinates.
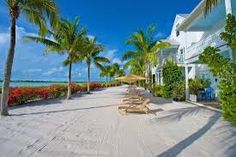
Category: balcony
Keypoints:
(196, 49)
(177, 58)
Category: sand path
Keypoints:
(90, 125)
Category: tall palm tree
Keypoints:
(91, 54)
(68, 38)
(37, 12)
(146, 49)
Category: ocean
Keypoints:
(34, 84)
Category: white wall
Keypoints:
(185, 39)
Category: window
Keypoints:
(177, 33)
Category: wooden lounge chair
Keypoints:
(141, 108)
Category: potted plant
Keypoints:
(196, 85)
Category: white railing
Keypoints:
(197, 48)
(178, 59)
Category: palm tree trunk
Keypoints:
(8, 68)
(69, 82)
(88, 79)
(106, 81)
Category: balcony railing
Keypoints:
(177, 58)
(197, 48)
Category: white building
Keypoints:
(179, 41)
(191, 34)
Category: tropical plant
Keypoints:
(91, 53)
(135, 66)
(111, 71)
(179, 91)
(195, 85)
(172, 75)
(145, 51)
(106, 72)
(67, 38)
(37, 12)
(158, 90)
(229, 35)
(120, 73)
(225, 69)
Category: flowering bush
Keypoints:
(21, 95)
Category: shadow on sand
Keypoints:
(59, 111)
(227, 132)
(178, 148)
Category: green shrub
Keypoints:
(195, 85)
(172, 75)
(158, 90)
(179, 91)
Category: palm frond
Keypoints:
(100, 59)
(209, 4)
(99, 66)
(39, 11)
(128, 55)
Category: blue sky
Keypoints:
(111, 21)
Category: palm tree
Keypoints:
(120, 73)
(145, 52)
(115, 69)
(91, 52)
(106, 72)
(111, 71)
(68, 38)
(37, 12)
(135, 66)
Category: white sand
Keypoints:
(90, 125)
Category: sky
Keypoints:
(110, 21)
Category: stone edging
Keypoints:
(204, 106)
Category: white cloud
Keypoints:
(4, 38)
(20, 33)
(30, 63)
(53, 71)
(33, 70)
(91, 36)
(116, 60)
(110, 54)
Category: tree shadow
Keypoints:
(54, 101)
(60, 111)
(229, 134)
(160, 101)
(178, 148)
(177, 114)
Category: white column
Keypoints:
(186, 82)
(228, 7)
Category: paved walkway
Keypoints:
(90, 125)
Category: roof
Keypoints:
(183, 15)
(193, 15)
(172, 42)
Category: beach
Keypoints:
(90, 125)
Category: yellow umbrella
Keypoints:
(130, 78)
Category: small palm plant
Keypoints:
(37, 12)
(68, 38)
(91, 55)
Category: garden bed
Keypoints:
(22, 95)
